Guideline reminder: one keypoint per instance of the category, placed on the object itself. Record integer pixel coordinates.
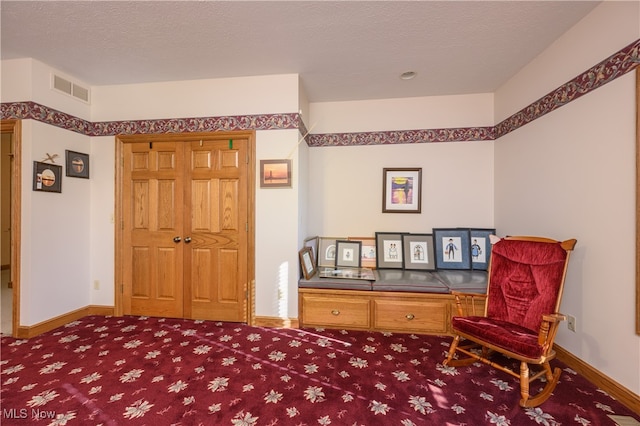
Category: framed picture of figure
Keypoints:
(452, 247)
(418, 252)
(389, 253)
(480, 247)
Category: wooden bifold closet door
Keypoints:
(185, 225)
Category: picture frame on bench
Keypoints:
(348, 254)
(480, 247)
(307, 264)
(452, 248)
(389, 252)
(367, 251)
(419, 253)
(327, 251)
(312, 242)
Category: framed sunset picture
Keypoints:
(275, 173)
(401, 190)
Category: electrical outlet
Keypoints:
(571, 323)
(96, 285)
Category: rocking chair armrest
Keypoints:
(466, 302)
(549, 329)
(554, 317)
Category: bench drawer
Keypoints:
(335, 311)
(420, 316)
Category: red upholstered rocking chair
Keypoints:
(521, 318)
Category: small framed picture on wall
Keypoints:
(275, 173)
(77, 164)
(401, 190)
(47, 177)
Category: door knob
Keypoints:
(176, 239)
(187, 240)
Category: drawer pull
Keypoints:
(410, 316)
(335, 312)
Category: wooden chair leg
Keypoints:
(452, 350)
(524, 382)
(552, 380)
(460, 362)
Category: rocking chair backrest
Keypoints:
(526, 279)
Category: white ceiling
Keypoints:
(342, 50)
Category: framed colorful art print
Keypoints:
(401, 190)
(275, 173)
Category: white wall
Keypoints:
(345, 188)
(15, 81)
(197, 98)
(54, 250)
(277, 233)
(57, 253)
(608, 28)
(102, 205)
(402, 114)
(30, 80)
(571, 174)
(345, 183)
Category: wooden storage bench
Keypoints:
(398, 301)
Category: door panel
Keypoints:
(154, 208)
(216, 257)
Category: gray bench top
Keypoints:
(440, 281)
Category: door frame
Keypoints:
(14, 127)
(120, 140)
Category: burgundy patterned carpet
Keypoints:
(151, 371)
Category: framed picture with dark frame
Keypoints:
(401, 190)
(307, 264)
(327, 251)
(77, 164)
(452, 247)
(312, 243)
(480, 247)
(419, 253)
(367, 251)
(275, 173)
(389, 250)
(348, 254)
(47, 177)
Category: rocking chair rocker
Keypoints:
(521, 318)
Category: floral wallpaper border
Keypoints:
(615, 66)
(35, 111)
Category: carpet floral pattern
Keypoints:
(155, 371)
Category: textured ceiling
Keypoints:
(342, 50)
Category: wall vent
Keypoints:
(70, 88)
